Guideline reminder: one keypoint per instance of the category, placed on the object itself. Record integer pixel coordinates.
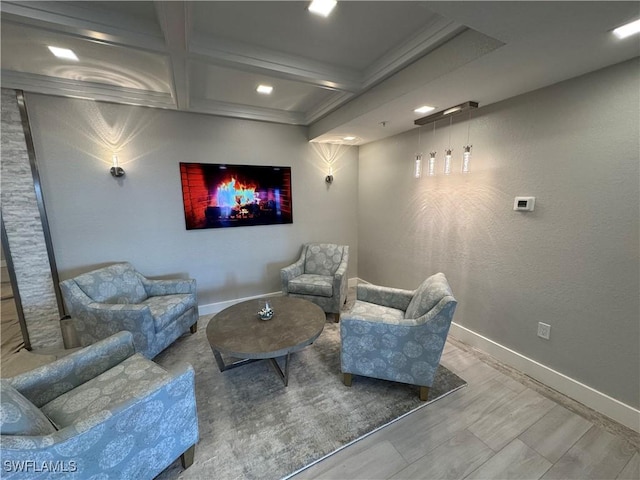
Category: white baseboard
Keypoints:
(612, 408)
(212, 308)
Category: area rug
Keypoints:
(253, 427)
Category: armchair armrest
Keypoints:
(168, 287)
(96, 321)
(45, 383)
(385, 296)
(342, 269)
(339, 276)
(105, 319)
(292, 271)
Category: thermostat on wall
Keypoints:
(524, 204)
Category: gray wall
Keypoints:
(25, 232)
(96, 219)
(572, 263)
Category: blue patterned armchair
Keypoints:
(319, 275)
(116, 298)
(103, 412)
(397, 335)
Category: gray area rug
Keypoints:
(253, 427)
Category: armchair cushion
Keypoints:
(309, 284)
(167, 308)
(117, 283)
(126, 381)
(18, 416)
(375, 313)
(427, 295)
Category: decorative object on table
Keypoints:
(114, 298)
(319, 275)
(96, 414)
(254, 428)
(266, 312)
(397, 335)
(224, 195)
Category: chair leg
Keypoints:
(347, 379)
(336, 317)
(194, 328)
(187, 457)
(424, 393)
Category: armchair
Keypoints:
(101, 412)
(398, 335)
(319, 275)
(117, 297)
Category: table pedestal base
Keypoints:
(274, 363)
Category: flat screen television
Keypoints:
(223, 195)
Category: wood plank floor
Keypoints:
(503, 425)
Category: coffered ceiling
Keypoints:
(359, 72)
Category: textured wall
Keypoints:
(25, 233)
(96, 219)
(572, 263)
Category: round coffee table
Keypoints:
(237, 331)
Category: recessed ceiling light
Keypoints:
(322, 7)
(63, 53)
(424, 109)
(349, 138)
(628, 29)
(266, 89)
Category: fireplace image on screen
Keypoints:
(221, 195)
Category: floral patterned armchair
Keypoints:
(102, 412)
(397, 335)
(116, 298)
(319, 275)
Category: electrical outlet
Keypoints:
(544, 330)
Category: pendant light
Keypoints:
(417, 168)
(466, 150)
(432, 156)
(447, 152)
(466, 157)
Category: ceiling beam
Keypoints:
(82, 23)
(226, 109)
(256, 59)
(88, 90)
(175, 22)
(425, 41)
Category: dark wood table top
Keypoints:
(238, 330)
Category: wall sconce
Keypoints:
(116, 170)
(466, 157)
(329, 178)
